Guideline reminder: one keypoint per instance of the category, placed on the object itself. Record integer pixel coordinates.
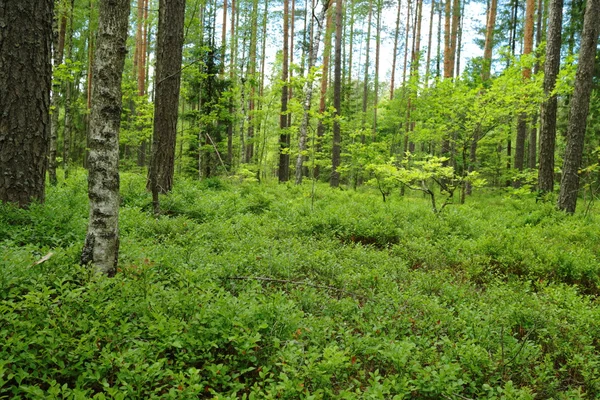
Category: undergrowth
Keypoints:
(263, 291)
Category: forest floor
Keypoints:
(252, 291)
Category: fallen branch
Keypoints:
(265, 279)
(43, 259)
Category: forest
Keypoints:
(299, 199)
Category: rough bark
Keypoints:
(101, 247)
(25, 81)
(308, 91)
(580, 103)
(166, 104)
(284, 136)
(523, 117)
(532, 156)
(337, 98)
(377, 60)
(550, 105)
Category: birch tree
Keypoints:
(101, 247)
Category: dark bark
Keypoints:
(284, 136)
(101, 247)
(25, 81)
(337, 98)
(166, 105)
(580, 103)
(550, 106)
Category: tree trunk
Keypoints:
(454, 35)
(550, 105)
(308, 90)
(427, 66)
(59, 47)
(171, 15)
(25, 81)
(489, 41)
(366, 72)
(337, 98)
(377, 57)
(522, 123)
(68, 95)
(251, 78)
(395, 54)
(580, 103)
(223, 37)
(532, 156)
(101, 247)
(284, 137)
(406, 38)
(324, 82)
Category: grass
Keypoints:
(249, 291)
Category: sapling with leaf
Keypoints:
(422, 175)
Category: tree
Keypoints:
(308, 91)
(101, 247)
(334, 180)
(550, 105)
(171, 14)
(580, 103)
(522, 122)
(25, 80)
(284, 137)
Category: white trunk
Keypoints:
(101, 247)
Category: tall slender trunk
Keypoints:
(365, 93)
(60, 27)
(291, 57)
(454, 35)
(523, 117)
(284, 137)
(428, 63)
(406, 41)
(580, 103)
(324, 81)
(231, 121)
(351, 40)
(251, 78)
(224, 37)
(550, 105)
(68, 124)
(337, 98)
(489, 41)
(308, 90)
(377, 59)
(395, 54)
(531, 158)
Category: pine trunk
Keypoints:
(580, 103)
(337, 98)
(166, 103)
(550, 105)
(395, 54)
(25, 82)
(284, 136)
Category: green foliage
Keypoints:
(264, 292)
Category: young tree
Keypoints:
(580, 103)
(171, 15)
(550, 105)
(25, 80)
(336, 153)
(101, 247)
